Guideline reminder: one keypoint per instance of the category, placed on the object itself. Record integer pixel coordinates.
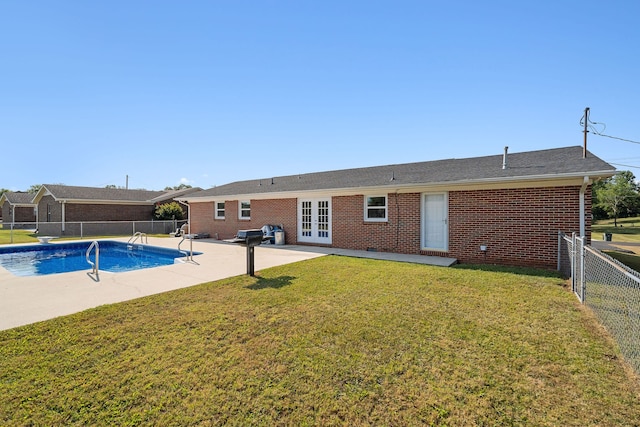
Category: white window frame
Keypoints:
(367, 207)
(241, 209)
(216, 210)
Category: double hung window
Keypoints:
(244, 209)
(375, 208)
(219, 210)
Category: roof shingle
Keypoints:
(544, 163)
(103, 194)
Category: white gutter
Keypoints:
(583, 188)
(188, 212)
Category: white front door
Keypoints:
(314, 220)
(435, 227)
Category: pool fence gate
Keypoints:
(608, 287)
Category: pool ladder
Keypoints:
(95, 266)
(136, 235)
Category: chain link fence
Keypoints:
(609, 288)
(96, 228)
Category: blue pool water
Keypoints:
(36, 260)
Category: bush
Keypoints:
(171, 210)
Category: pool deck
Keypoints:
(25, 300)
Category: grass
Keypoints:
(329, 341)
(18, 236)
(628, 229)
(630, 260)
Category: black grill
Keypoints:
(250, 239)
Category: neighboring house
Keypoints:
(503, 209)
(64, 204)
(173, 195)
(17, 207)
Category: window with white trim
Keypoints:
(244, 209)
(219, 210)
(375, 208)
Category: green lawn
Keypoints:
(630, 260)
(330, 341)
(19, 236)
(628, 229)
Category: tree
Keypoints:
(171, 210)
(34, 189)
(597, 209)
(618, 196)
(178, 187)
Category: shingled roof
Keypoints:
(85, 194)
(544, 164)
(18, 198)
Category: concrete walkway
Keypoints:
(628, 247)
(25, 300)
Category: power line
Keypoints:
(591, 125)
(615, 137)
(624, 159)
(626, 166)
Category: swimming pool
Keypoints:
(115, 257)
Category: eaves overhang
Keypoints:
(529, 181)
(23, 205)
(105, 202)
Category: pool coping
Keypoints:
(25, 300)
(78, 249)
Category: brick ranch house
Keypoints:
(503, 209)
(17, 207)
(64, 204)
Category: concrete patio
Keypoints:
(25, 300)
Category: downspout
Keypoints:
(63, 215)
(188, 213)
(583, 188)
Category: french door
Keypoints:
(314, 220)
(435, 227)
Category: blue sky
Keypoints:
(168, 92)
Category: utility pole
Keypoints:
(586, 121)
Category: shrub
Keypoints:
(171, 210)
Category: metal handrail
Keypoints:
(188, 255)
(95, 266)
(143, 238)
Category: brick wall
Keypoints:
(21, 214)
(46, 204)
(277, 212)
(92, 212)
(401, 233)
(88, 212)
(518, 226)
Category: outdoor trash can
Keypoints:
(607, 237)
(279, 235)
